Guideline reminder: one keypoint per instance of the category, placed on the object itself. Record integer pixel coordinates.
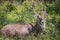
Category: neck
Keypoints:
(36, 28)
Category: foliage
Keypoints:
(16, 11)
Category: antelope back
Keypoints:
(14, 29)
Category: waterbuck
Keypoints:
(11, 30)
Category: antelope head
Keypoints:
(41, 20)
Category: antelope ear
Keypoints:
(36, 15)
(44, 16)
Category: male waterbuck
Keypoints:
(11, 30)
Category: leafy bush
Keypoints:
(14, 12)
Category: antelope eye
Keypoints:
(42, 22)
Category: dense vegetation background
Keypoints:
(20, 11)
